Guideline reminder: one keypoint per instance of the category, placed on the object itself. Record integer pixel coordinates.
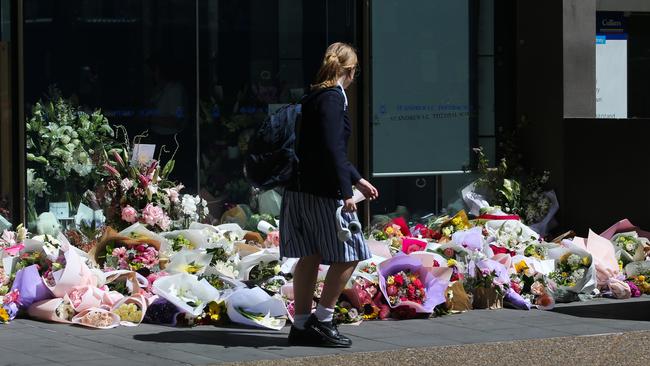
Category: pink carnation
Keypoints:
(273, 239)
(129, 214)
(152, 214)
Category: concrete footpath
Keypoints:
(27, 342)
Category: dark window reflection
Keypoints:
(136, 60)
(133, 59)
(639, 65)
(255, 55)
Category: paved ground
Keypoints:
(607, 350)
(26, 342)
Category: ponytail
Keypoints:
(339, 58)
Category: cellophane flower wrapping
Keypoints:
(581, 280)
(254, 307)
(186, 292)
(544, 226)
(263, 256)
(435, 285)
(471, 239)
(512, 235)
(630, 246)
(30, 284)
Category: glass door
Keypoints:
(7, 127)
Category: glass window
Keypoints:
(133, 60)
(207, 72)
(255, 56)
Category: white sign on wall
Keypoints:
(611, 65)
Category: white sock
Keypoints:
(299, 320)
(324, 314)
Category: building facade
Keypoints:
(438, 78)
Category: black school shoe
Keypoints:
(318, 334)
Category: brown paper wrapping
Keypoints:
(113, 237)
(487, 298)
(457, 299)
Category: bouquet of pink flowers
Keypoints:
(142, 192)
(132, 252)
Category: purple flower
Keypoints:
(634, 289)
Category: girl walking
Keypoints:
(310, 227)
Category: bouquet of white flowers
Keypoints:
(64, 148)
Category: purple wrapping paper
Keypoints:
(471, 239)
(435, 287)
(29, 284)
(162, 312)
(516, 300)
(12, 310)
(490, 265)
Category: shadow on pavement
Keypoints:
(218, 338)
(619, 311)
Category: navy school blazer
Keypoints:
(322, 147)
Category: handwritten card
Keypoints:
(143, 154)
(61, 210)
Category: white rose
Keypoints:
(573, 260)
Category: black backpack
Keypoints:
(272, 161)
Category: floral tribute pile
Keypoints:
(202, 274)
(154, 258)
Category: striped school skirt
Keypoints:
(309, 226)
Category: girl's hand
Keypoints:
(349, 205)
(367, 189)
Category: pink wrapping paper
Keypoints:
(619, 289)
(621, 227)
(86, 317)
(84, 297)
(428, 258)
(603, 254)
(379, 248)
(504, 259)
(140, 301)
(76, 273)
(287, 291)
(410, 245)
(46, 310)
(602, 251)
(14, 250)
(112, 298)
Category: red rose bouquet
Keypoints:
(405, 286)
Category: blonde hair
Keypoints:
(339, 58)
